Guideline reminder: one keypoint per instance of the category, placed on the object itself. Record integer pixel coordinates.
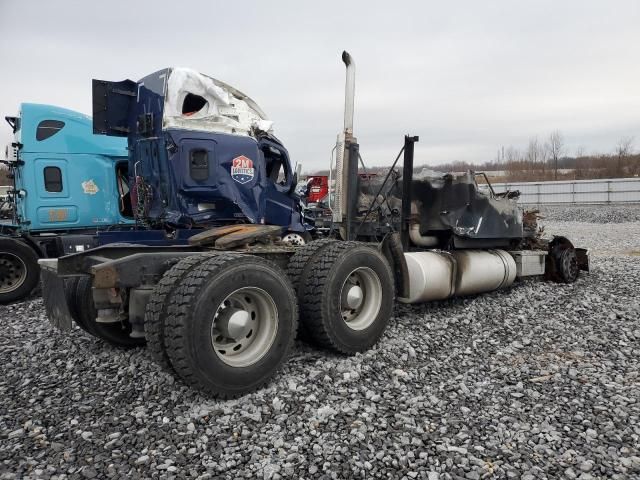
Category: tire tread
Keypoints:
(313, 304)
(156, 309)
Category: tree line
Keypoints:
(548, 160)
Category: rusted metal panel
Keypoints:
(248, 235)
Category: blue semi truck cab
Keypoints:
(68, 178)
(68, 184)
(202, 153)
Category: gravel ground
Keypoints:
(538, 381)
(592, 213)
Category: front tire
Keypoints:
(562, 261)
(19, 271)
(230, 324)
(347, 297)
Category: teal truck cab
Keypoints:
(68, 184)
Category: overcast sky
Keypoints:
(468, 77)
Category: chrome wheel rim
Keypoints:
(294, 239)
(13, 272)
(244, 326)
(360, 298)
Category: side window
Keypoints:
(52, 179)
(199, 165)
(48, 128)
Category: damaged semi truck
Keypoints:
(222, 312)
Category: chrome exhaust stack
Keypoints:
(346, 169)
(349, 92)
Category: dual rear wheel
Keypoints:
(345, 291)
(226, 322)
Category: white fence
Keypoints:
(612, 190)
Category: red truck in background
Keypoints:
(317, 188)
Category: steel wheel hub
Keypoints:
(244, 326)
(234, 323)
(354, 297)
(13, 272)
(361, 298)
(294, 239)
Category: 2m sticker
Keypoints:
(242, 170)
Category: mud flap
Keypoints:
(55, 300)
(583, 259)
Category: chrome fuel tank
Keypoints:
(439, 275)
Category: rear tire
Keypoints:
(116, 334)
(298, 267)
(19, 270)
(230, 324)
(298, 271)
(156, 309)
(347, 297)
(70, 286)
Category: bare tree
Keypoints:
(555, 148)
(536, 155)
(512, 155)
(533, 152)
(544, 157)
(624, 148)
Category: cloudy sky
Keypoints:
(467, 76)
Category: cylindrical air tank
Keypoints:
(439, 275)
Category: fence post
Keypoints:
(608, 191)
(573, 192)
(539, 194)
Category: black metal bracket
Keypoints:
(352, 199)
(13, 123)
(407, 179)
(12, 162)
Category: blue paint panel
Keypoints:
(146, 237)
(181, 200)
(75, 137)
(234, 201)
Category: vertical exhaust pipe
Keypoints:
(349, 92)
(346, 176)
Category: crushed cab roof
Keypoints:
(196, 101)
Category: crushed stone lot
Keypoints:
(537, 381)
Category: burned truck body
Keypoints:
(223, 311)
(446, 210)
